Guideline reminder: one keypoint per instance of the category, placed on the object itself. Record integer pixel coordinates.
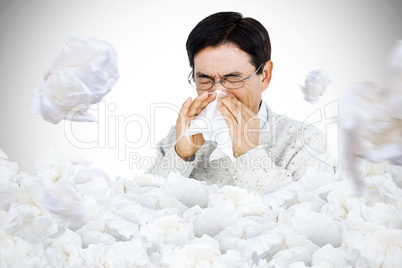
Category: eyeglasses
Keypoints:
(229, 82)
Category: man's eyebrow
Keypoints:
(202, 75)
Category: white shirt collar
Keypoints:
(263, 115)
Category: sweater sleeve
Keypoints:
(167, 160)
(257, 168)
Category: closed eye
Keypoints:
(202, 75)
(232, 74)
(233, 78)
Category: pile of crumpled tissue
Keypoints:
(68, 215)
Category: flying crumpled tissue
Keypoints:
(371, 119)
(84, 72)
(316, 83)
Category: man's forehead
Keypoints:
(222, 59)
(222, 70)
(217, 64)
(216, 67)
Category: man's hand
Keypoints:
(187, 146)
(244, 125)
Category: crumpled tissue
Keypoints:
(119, 254)
(8, 170)
(371, 119)
(199, 252)
(53, 166)
(309, 222)
(316, 83)
(394, 62)
(81, 75)
(169, 229)
(190, 192)
(213, 127)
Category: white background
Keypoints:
(348, 39)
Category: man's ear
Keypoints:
(266, 75)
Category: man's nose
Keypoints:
(218, 86)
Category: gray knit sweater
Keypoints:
(286, 148)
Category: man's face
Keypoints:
(229, 60)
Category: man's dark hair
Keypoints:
(230, 28)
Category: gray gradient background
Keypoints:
(349, 39)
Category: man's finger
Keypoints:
(211, 98)
(248, 117)
(197, 103)
(229, 118)
(232, 104)
(186, 106)
(202, 102)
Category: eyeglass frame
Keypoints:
(213, 82)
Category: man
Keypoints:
(233, 54)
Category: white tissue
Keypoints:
(190, 192)
(8, 170)
(315, 221)
(169, 229)
(316, 83)
(371, 119)
(369, 116)
(199, 252)
(213, 127)
(394, 62)
(81, 75)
